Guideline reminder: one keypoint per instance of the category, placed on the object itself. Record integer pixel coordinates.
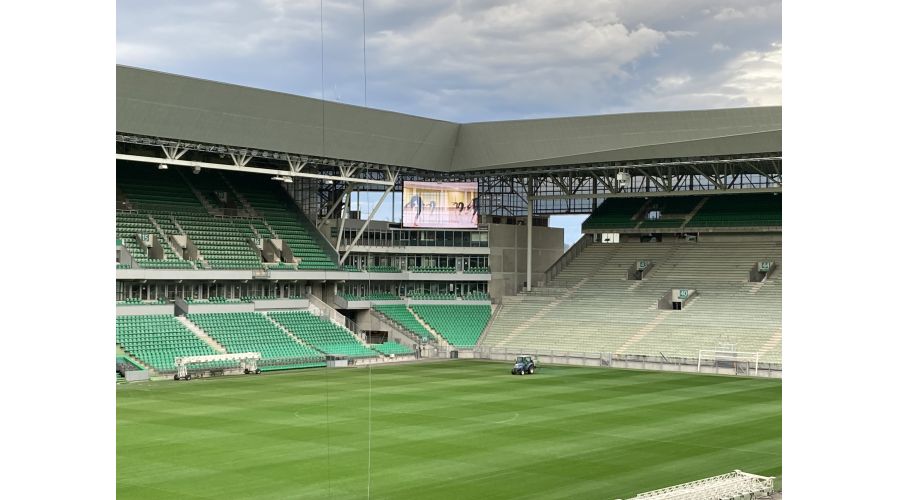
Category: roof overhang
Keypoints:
(154, 104)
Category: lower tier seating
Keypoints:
(156, 340)
(400, 314)
(392, 347)
(591, 307)
(253, 332)
(322, 334)
(460, 325)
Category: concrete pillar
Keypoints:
(528, 245)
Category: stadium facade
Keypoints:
(236, 232)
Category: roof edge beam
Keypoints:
(252, 170)
(650, 194)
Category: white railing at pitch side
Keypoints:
(247, 361)
(736, 484)
(628, 361)
(715, 356)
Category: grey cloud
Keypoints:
(469, 60)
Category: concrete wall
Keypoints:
(143, 310)
(265, 305)
(508, 257)
(185, 308)
(366, 320)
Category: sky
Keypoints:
(469, 61)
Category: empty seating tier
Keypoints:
(614, 213)
(383, 269)
(432, 269)
(156, 340)
(253, 332)
(225, 242)
(459, 325)
(740, 210)
(391, 347)
(404, 317)
(282, 215)
(591, 306)
(129, 224)
(430, 296)
(322, 334)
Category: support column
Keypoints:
(528, 251)
(393, 176)
(344, 214)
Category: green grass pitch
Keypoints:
(456, 429)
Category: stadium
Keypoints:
(315, 299)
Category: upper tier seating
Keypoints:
(591, 306)
(224, 241)
(214, 189)
(322, 334)
(459, 325)
(159, 190)
(157, 340)
(273, 204)
(731, 210)
(253, 332)
(739, 210)
(614, 213)
(402, 315)
(128, 224)
(673, 211)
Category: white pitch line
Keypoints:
(508, 420)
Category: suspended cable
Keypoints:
(365, 73)
(327, 399)
(322, 39)
(369, 474)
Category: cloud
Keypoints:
(748, 12)
(751, 78)
(534, 53)
(471, 60)
(756, 76)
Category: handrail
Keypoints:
(564, 259)
(490, 323)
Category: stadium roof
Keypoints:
(156, 104)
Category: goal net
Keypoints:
(728, 362)
(245, 361)
(731, 486)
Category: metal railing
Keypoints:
(631, 361)
(564, 259)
